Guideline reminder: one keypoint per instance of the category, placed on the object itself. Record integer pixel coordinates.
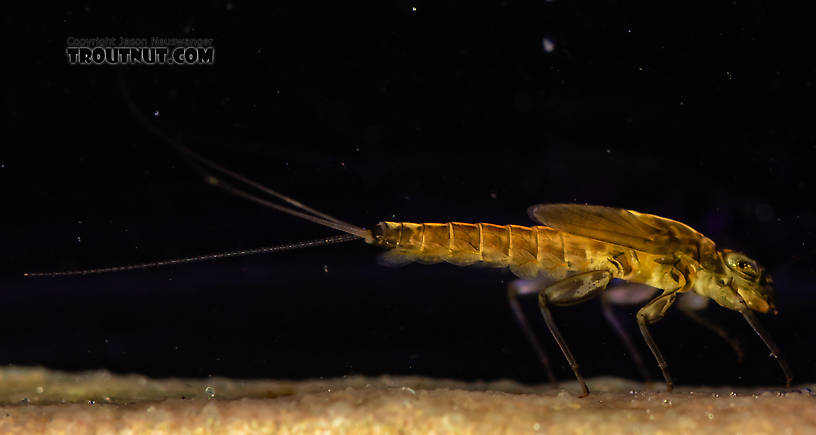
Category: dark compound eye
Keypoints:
(743, 265)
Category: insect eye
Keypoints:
(743, 265)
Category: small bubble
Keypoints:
(326, 268)
(667, 402)
(548, 44)
(40, 389)
(715, 395)
(156, 113)
(79, 239)
(92, 402)
(710, 416)
(733, 394)
(609, 151)
(536, 426)
(493, 195)
(210, 392)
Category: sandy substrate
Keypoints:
(34, 400)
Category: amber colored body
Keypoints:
(529, 252)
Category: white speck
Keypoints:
(40, 389)
(79, 239)
(413, 8)
(609, 151)
(548, 44)
(79, 222)
(728, 74)
(2, 165)
(493, 195)
(357, 149)
(640, 68)
(156, 113)
(92, 402)
(326, 268)
(536, 426)
(628, 30)
(210, 392)
(343, 164)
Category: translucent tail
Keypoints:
(212, 174)
(287, 247)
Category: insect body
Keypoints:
(573, 256)
(581, 251)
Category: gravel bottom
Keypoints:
(37, 400)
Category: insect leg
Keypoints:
(692, 305)
(775, 353)
(523, 287)
(637, 358)
(570, 291)
(650, 313)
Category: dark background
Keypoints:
(453, 112)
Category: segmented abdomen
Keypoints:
(528, 251)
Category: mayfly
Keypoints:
(572, 256)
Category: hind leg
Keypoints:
(522, 288)
(570, 291)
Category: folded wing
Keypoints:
(641, 231)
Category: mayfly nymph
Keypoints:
(573, 255)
